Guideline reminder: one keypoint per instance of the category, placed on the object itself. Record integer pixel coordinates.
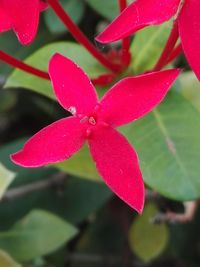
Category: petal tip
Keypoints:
(174, 71)
(17, 159)
(106, 37)
(25, 42)
(55, 56)
(140, 208)
(14, 158)
(177, 71)
(100, 38)
(139, 205)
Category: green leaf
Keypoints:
(81, 164)
(81, 199)
(148, 240)
(99, 238)
(74, 8)
(6, 177)
(41, 58)
(6, 260)
(190, 88)
(167, 141)
(7, 101)
(78, 200)
(108, 9)
(37, 234)
(148, 45)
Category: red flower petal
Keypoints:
(24, 16)
(134, 97)
(43, 5)
(189, 28)
(71, 85)
(5, 23)
(54, 143)
(117, 162)
(139, 14)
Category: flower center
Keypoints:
(92, 120)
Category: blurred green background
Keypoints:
(64, 215)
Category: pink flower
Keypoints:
(22, 16)
(94, 121)
(142, 13)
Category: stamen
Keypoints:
(92, 120)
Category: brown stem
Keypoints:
(22, 191)
(172, 217)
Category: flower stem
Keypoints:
(80, 37)
(104, 79)
(125, 56)
(16, 63)
(172, 39)
(122, 5)
(175, 53)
